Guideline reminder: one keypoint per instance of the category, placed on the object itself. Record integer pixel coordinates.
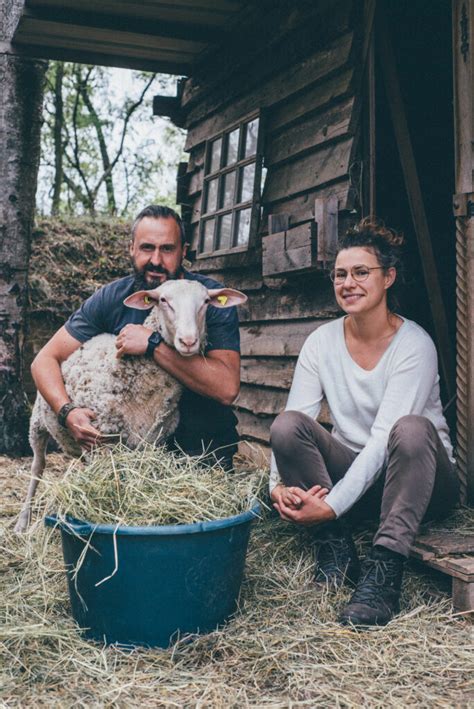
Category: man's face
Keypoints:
(156, 251)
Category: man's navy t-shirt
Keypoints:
(204, 423)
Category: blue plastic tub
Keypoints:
(169, 579)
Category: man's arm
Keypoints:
(46, 371)
(215, 374)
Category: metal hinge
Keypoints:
(463, 204)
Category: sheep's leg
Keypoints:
(38, 442)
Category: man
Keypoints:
(212, 380)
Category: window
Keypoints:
(231, 190)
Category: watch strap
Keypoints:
(63, 413)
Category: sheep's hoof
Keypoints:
(22, 525)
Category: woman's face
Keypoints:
(361, 296)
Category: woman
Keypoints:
(389, 455)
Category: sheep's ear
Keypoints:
(142, 300)
(226, 297)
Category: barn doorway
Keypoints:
(420, 35)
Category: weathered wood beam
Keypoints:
(86, 56)
(314, 98)
(74, 19)
(290, 251)
(57, 33)
(313, 170)
(274, 38)
(268, 371)
(295, 304)
(319, 66)
(276, 340)
(205, 13)
(311, 133)
(300, 208)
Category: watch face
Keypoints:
(153, 341)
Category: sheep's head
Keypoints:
(181, 307)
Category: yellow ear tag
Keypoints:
(222, 299)
(146, 299)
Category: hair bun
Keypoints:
(376, 228)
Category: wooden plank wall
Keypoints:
(311, 127)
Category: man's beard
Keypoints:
(140, 282)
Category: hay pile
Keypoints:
(150, 486)
(283, 648)
(71, 258)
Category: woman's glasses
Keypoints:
(358, 273)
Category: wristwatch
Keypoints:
(153, 342)
(63, 413)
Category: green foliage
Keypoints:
(102, 150)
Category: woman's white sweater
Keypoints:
(365, 404)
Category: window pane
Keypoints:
(208, 235)
(233, 147)
(247, 180)
(224, 232)
(216, 149)
(242, 226)
(228, 189)
(251, 135)
(211, 205)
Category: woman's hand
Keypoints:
(289, 496)
(312, 509)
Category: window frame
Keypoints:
(253, 203)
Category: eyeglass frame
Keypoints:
(334, 279)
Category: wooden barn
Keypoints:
(301, 117)
(309, 116)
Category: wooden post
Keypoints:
(463, 207)
(21, 89)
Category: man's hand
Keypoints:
(132, 340)
(311, 511)
(79, 424)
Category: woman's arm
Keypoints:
(413, 375)
(305, 395)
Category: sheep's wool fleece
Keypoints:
(96, 379)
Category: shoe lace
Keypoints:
(377, 576)
(332, 551)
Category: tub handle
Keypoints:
(82, 529)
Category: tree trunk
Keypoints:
(104, 154)
(21, 89)
(58, 137)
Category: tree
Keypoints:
(96, 156)
(21, 89)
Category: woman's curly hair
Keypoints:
(386, 244)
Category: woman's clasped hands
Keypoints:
(306, 507)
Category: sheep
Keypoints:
(131, 396)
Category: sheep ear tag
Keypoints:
(142, 300)
(226, 297)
